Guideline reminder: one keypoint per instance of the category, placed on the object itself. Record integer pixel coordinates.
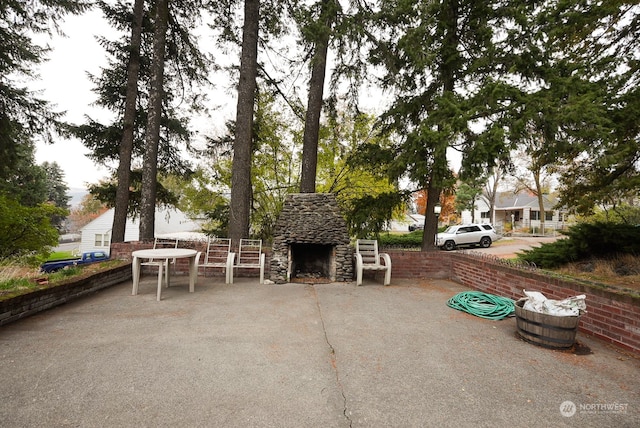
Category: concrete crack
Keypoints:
(333, 359)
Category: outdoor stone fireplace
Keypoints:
(311, 242)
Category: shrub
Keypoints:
(551, 255)
(404, 240)
(585, 241)
(26, 229)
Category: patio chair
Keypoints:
(250, 256)
(368, 258)
(219, 255)
(162, 263)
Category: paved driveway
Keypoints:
(332, 355)
(509, 247)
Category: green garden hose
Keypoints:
(482, 305)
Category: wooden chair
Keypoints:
(162, 263)
(219, 255)
(250, 256)
(368, 258)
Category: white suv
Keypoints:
(467, 235)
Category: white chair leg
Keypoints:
(262, 260)
(387, 264)
(359, 269)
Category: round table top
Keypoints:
(169, 253)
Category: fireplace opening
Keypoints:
(312, 263)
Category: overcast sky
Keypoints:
(64, 82)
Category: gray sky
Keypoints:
(64, 83)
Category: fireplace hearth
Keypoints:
(311, 242)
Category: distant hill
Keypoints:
(76, 195)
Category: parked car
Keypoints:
(416, 226)
(467, 235)
(87, 258)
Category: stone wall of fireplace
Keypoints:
(311, 241)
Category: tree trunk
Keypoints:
(126, 144)
(152, 137)
(242, 145)
(314, 105)
(540, 200)
(492, 196)
(430, 218)
(447, 69)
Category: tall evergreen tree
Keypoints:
(152, 134)
(318, 31)
(185, 72)
(595, 46)
(128, 126)
(443, 63)
(23, 115)
(57, 190)
(242, 145)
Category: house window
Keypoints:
(101, 240)
(484, 214)
(548, 215)
(535, 215)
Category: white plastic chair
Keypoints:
(368, 258)
(250, 256)
(219, 255)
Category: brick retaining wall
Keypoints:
(14, 308)
(611, 316)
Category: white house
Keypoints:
(480, 214)
(97, 234)
(518, 210)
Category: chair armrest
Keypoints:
(231, 257)
(387, 260)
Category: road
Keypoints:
(68, 246)
(509, 246)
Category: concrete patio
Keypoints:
(294, 355)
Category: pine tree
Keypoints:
(23, 115)
(185, 72)
(242, 145)
(445, 65)
(125, 152)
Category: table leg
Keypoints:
(135, 267)
(160, 269)
(193, 274)
(168, 274)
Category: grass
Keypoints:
(60, 255)
(621, 270)
(17, 278)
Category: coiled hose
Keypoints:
(482, 305)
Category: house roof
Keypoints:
(510, 201)
(167, 221)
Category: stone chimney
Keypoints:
(311, 242)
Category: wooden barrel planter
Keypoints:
(546, 330)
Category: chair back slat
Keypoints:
(368, 249)
(217, 251)
(162, 243)
(249, 252)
